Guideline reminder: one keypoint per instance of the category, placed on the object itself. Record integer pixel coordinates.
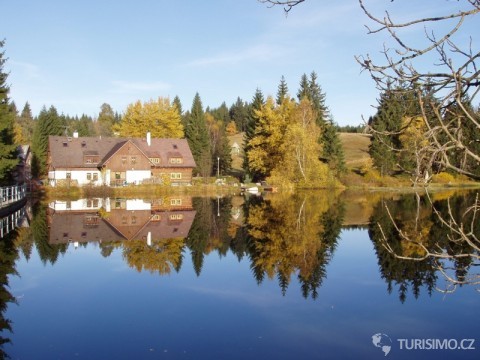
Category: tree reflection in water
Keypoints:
(284, 237)
(420, 240)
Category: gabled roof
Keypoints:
(69, 152)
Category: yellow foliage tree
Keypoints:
(160, 117)
(299, 163)
(265, 146)
(231, 128)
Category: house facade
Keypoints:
(118, 161)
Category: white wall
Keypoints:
(79, 175)
(138, 204)
(136, 176)
(77, 205)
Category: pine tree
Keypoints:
(24, 126)
(178, 104)
(8, 152)
(386, 125)
(239, 114)
(304, 90)
(282, 92)
(332, 151)
(197, 135)
(48, 123)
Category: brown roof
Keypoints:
(161, 148)
(69, 152)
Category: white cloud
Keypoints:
(127, 87)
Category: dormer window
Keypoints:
(91, 157)
(176, 160)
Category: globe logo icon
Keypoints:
(383, 342)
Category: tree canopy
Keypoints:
(159, 117)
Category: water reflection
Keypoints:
(426, 242)
(283, 237)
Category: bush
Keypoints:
(443, 178)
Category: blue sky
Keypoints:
(77, 55)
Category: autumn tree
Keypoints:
(252, 123)
(264, 149)
(8, 152)
(159, 117)
(299, 162)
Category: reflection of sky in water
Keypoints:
(90, 307)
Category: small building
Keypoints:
(118, 161)
(236, 148)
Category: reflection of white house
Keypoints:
(96, 204)
(118, 161)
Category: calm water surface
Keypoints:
(301, 277)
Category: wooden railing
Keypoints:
(12, 194)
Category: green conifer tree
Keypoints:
(197, 135)
(282, 92)
(48, 123)
(8, 152)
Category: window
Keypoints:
(133, 160)
(176, 160)
(175, 201)
(124, 159)
(69, 175)
(117, 176)
(176, 217)
(156, 217)
(134, 219)
(95, 202)
(155, 160)
(89, 176)
(175, 176)
(95, 176)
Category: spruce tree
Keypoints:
(239, 114)
(304, 90)
(48, 123)
(386, 125)
(25, 124)
(197, 135)
(8, 152)
(282, 92)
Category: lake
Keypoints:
(306, 276)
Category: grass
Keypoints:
(355, 147)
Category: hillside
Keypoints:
(355, 147)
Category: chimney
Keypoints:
(75, 134)
(149, 138)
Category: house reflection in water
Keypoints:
(109, 220)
